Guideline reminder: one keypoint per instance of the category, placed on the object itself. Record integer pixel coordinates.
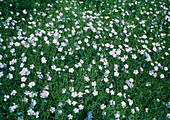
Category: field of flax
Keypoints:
(84, 60)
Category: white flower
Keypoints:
(117, 115)
(125, 87)
(87, 91)
(80, 94)
(95, 92)
(131, 80)
(63, 90)
(32, 66)
(33, 102)
(86, 40)
(74, 94)
(44, 94)
(106, 79)
(130, 84)
(107, 90)
(137, 109)
(112, 103)
(158, 100)
(60, 111)
(81, 107)
(25, 99)
(103, 106)
(135, 72)
(95, 46)
(148, 84)
(100, 67)
(154, 49)
(22, 85)
(12, 108)
(87, 79)
(43, 60)
(71, 89)
(162, 76)
(166, 53)
(61, 104)
(30, 112)
(71, 70)
(156, 68)
(141, 68)
(112, 92)
(165, 68)
(1, 57)
(55, 41)
(126, 40)
(6, 97)
(151, 72)
(110, 34)
(76, 110)
(123, 104)
(144, 36)
(49, 78)
(130, 102)
(23, 79)
(96, 36)
(81, 61)
(37, 114)
(70, 116)
(71, 80)
(60, 49)
(111, 85)
(1, 74)
(24, 59)
(20, 118)
(93, 62)
(134, 56)
(62, 58)
(10, 76)
(69, 101)
(104, 113)
(133, 111)
(116, 74)
(94, 83)
(13, 92)
(119, 94)
(31, 84)
(22, 65)
(79, 42)
(52, 109)
(126, 66)
(168, 116)
(12, 68)
(146, 109)
(24, 11)
(74, 103)
(25, 71)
